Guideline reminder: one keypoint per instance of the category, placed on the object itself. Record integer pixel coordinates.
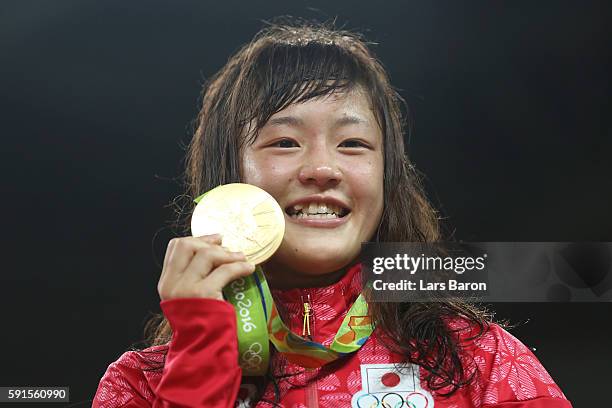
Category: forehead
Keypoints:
(339, 108)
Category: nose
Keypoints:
(320, 169)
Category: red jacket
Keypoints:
(201, 367)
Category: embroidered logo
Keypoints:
(391, 386)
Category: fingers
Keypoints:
(188, 264)
(169, 250)
(226, 273)
(181, 250)
(208, 258)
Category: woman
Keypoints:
(306, 112)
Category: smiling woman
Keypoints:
(306, 112)
(331, 158)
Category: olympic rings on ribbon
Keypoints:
(251, 357)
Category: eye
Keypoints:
(285, 143)
(353, 143)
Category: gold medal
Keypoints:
(247, 217)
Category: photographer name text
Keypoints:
(422, 285)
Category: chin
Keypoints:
(319, 259)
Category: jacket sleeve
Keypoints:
(201, 366)
(513, 376)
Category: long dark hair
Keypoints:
(290, 61)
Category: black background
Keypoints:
(512, 102)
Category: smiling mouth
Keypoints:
(316, 211)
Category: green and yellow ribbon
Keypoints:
(259, 323)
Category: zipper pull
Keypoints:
(306, 324)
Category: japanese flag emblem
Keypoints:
(391, 386)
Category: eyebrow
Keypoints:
(297, 122)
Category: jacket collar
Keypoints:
(329, 304)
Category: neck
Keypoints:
(288, 278)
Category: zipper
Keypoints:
(311, 394)
(306, 311)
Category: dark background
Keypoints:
(512, 102)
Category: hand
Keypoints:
(200, 268)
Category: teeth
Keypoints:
(306, 215)
(316, 210)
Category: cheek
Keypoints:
(371, 195)
(367, 180)
(249, 170)
(264, 173)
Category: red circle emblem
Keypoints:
(390, 379)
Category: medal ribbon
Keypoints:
(253, 307)
(259, 321)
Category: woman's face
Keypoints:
(322, 160)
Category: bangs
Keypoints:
(288, 73)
